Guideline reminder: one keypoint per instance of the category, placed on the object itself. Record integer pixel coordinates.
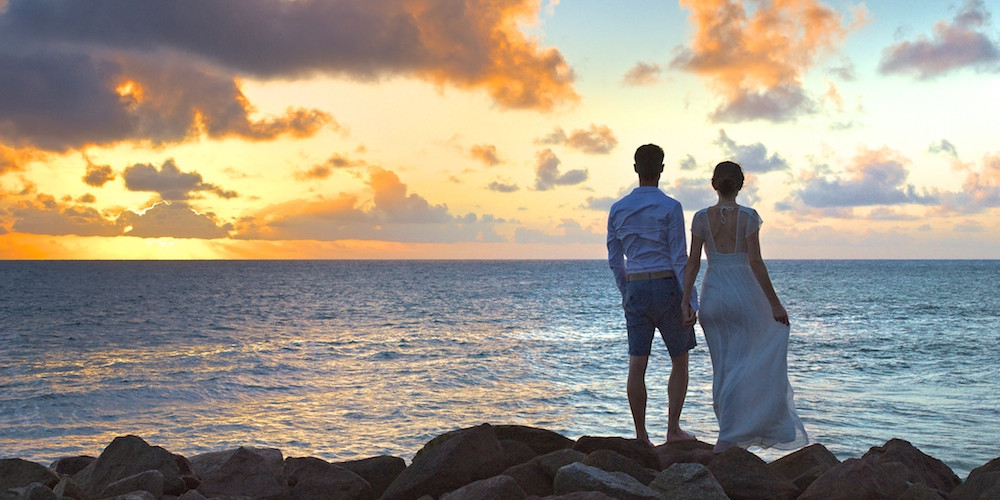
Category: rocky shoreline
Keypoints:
(499, 462)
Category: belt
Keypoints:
(650, 276)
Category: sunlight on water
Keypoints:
(345, 360)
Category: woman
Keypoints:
(746, 327)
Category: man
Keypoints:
(647, 253)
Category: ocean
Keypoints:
(350, 359)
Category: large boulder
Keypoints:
(239, 472)
(983, 483)
(379, 471)
(495, 488)
(805, 465)
(316, 478)
(465, 456)
(535, 476)
(18, 473)
(207, 462)
(689, 481)
(855, 478)
(33, 491)
(127, 456)
(516, 452)
(685, 452)
(640, 452)
(744, 475)
(579, 477)
(613, 462)
(151, 481)
(923, 468)
(68, 488)
(542, 441)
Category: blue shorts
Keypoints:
(651, 304)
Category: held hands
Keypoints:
(688, 315)
(778, 311)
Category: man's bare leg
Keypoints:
(636, 388)
(677, 388)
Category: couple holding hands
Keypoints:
(745, 325)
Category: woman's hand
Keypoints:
(778, 311)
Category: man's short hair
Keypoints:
(648, 159)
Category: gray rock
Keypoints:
(744, 475)
(576, 495)
(920, 491)
(206, 463)
(133, 495)
(536, 475)
(67, 487)
(127, 456)
(685, 452)
(33, 491)
(855, 478)
(515, 452)
(688, 481)
(579, 477)
(151, 481)
(613, 462)
(379, 471)
(983, 483)
(495, 488)
(192, 495)
(243, 473)
(805, 465)
(922, 467)
(69, 466)
(552, 462)
(541, 441)
(466, 456)
(18, 473)
(641, 453)
(318, 479)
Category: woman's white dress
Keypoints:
(752, 397)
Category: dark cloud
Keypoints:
(944, 146)
(172, 220)
(169, 182)
(752, 157)
(475, 44)
(777, 104)
(98, 175)
(873, 178)
(693, 194)
(44, 215)
(643, 74)
(86, 198)
(688, 163)
(961, 43)
(502, 187)
(547, 173)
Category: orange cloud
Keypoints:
(756, 58)
(14, 159)
(643, 74)
(486, 153)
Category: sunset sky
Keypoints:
(451, 129)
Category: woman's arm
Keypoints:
(764, 279)
(690, 274)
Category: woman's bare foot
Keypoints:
(679, 435)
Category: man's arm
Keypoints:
(677, 247)
(616, 257)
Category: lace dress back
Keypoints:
(753, 400)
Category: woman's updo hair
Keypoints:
(728, 178)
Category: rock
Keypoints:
(515, 452)
(855, 478)
(689, 481)
(495, 488)
(33, 491)
(133, 495)
(151, 481)
(576, 495)
(535, 476)
(983, 483)
(920, 491)
(244, 473)
(613, 462)
(68, 466)
(18, 473)
(685, 452)
(207, 462)
(923, 468)
(541, 441)
(579, 477)
(641, 453)
(805, 465)
(466, 456)
(378, 471)
(744, 475)
(67, 487)
(192, 495)
(127, 456)
(315, 478)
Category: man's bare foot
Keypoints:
(644, 439)
(679, 436)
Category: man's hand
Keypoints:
(688, 315)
